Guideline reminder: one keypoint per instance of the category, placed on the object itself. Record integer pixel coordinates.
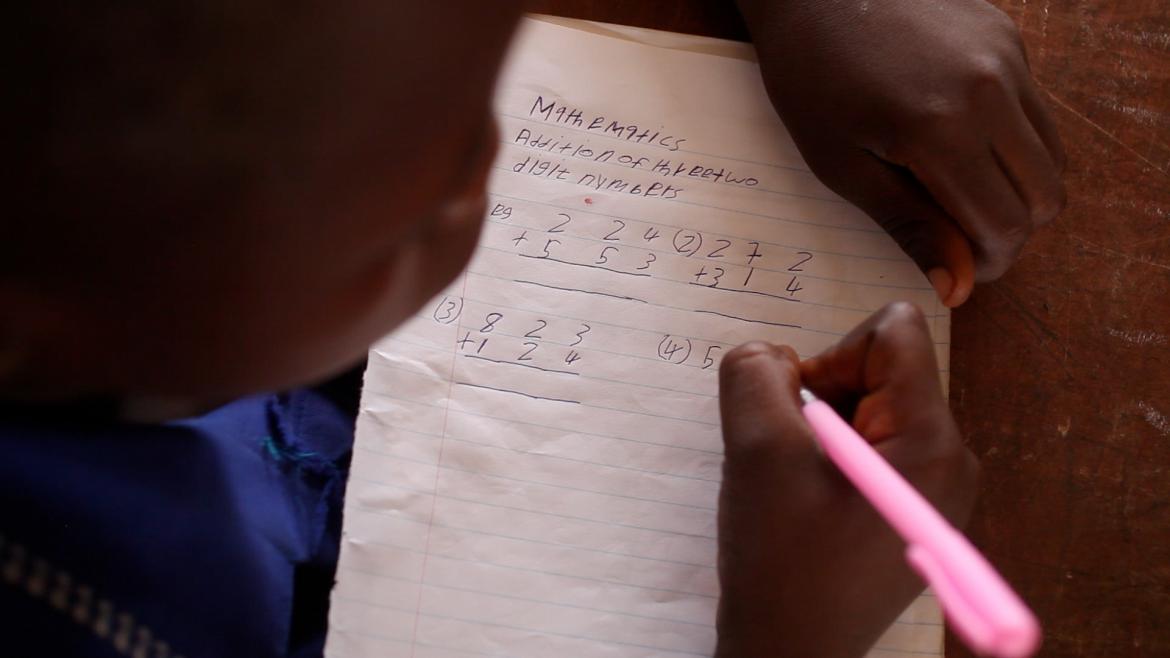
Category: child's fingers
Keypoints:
(887, 367)
(775, 485)
(759, 401)
(793, 533)
(1040, 116)
(1030, 165)
(900, 205)
(969, 183)
(890, 349)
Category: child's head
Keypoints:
(212, 200)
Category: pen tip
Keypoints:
(807, 396)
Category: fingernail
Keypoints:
(943, 282)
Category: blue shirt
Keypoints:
(210, 537)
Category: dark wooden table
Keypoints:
(1061, 371)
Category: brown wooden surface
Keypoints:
(1061, 371)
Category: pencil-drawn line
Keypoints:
(597, 213)
(588, 292)
(639, 329)
(736, 317)
(523, 365)
(750, 292)
(608, 380)
(649, 331)
(673, 253)
(759, 268)
(569, 262)
(734, 211)
(527, 395)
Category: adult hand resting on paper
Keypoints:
(925, 115)
(807, 567)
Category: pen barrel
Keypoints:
(899, 503)
(983, 608)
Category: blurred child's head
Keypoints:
(218, 198)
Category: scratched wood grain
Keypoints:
(1061, 370)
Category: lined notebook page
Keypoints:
(538, 452)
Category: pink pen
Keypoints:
(984, 611)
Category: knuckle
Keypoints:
(1009, 28)
(1015, 235)
(933, 113)
(1050, 205)
(987, 76)
(743, 356)
(743, 368)
(994, 260)
(990, 269)
(901, 313)
(996, 251)
(900, 325)
(919, 123)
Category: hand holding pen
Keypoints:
(808, 566)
